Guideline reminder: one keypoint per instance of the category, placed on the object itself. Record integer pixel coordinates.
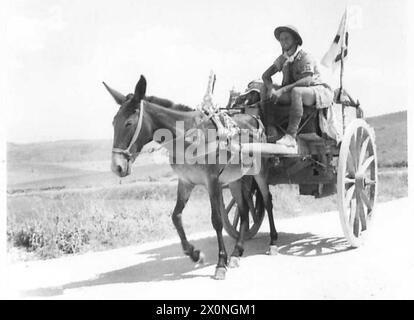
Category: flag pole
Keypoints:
(341, 76)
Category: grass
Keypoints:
(76, 222)
(391, 139)
(51, 225)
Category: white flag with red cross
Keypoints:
(339, 47)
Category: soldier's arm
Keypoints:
(307, 66)
(303, 82)
(267, 76)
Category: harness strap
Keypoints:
(127, 151)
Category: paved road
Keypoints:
(314, 261)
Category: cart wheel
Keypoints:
(357, 181)
(231, 216)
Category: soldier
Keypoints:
(301, 85)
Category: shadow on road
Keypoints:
(169, 263)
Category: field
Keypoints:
(391, 139)
(72, 203)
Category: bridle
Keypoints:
(127, 152)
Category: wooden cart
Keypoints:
(322, 167)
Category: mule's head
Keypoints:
(131, 130)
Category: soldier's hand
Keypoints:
(269, 93)
(276, 94)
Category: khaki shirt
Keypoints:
(297, 69)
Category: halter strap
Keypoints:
(127, 152)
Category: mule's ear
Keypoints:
(119, 97)
(140, 89)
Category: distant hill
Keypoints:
(60, 151)
(391, 138)
(390, 129)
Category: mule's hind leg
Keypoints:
(183, 194)
(239, 192)
(267, 198)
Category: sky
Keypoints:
(59, 52)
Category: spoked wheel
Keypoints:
(357, 181)
(231, 216)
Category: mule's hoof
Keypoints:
(273, 250)
(201, 259)
(220, 273)
(234, 262)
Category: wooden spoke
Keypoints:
(236, 218)
(230, 205)
(358, 143)
(349, 180)
(361, 213)
(356, 226)
(370, 182)
(363, 151)
(350, 164)
(352, 211)
(349, 195)
(354, 149)
(366, 164)
(365, 200)
(364, 135)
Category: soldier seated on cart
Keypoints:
(301, 85)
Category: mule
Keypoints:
(139, 118)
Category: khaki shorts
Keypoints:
(324, 96)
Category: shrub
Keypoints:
(71, 241)
(41, 238)
(30, 237)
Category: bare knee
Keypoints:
(304, 94)
(296, 92)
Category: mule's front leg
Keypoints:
(240, 190)
(217, 207)
(183, 194)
